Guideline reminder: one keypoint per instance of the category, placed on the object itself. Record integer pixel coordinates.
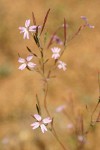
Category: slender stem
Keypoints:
(55, 135)
(92, 123)
(45, 81)
(94, 111)
(45, 105)
(45, 98)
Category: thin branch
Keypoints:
(52, 37)
(45, 19)
(45, 98)
(34, 20)
(64, 32)
(56, 136)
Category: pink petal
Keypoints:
(22, 29)
(55, 56)
(27, 23)
(22, 67)
(90, 26)
(37, 117)
(32, 28)
(53, 50)
(35, 125)
(21, 60)
(84, 18)
(47, 120)
(43, 128)
(29, 57)
(57, 40)
(60, 108)
(31, 65)
(26, 35)
(58, 50)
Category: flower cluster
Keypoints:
(25, 63)
(56, 55)
(41, 62)
(86, 22)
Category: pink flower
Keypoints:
(26, 63)
(86, 22)
(41, 123)
(61, 65)
(55, 51)
(57, 40)
(27, 29)
(60, 108)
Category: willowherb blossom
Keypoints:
(86, 22)
(61, 65)
(60, 108)
(41, 122)
(28, 29)
(57, 40)
(26, 63)
(55, 51)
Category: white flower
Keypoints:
(86, 22)
(61, 65)
(60, 108)
(41, 122)
(26, 63)
(55, 51)
(27, 29)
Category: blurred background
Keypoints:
(78, 85)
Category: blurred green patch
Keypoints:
(5, 70)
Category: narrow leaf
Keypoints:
(45, 37)
(45, 19)
(37, 109)
(50, 42)
(36, 40)
(46, 61)
(18, 55)
(28, 49)
(38, 105)
(64, 31)
(34, 20)
(32, 116)
(36, 33)
(77, 32)
(98, 118)
(31, 51)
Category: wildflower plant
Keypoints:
(47, 72)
